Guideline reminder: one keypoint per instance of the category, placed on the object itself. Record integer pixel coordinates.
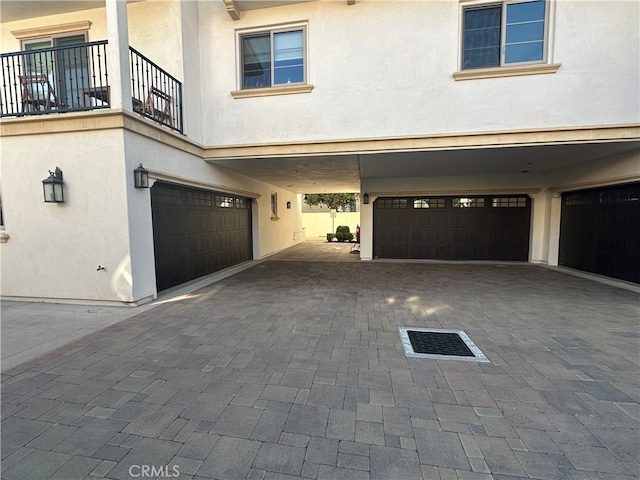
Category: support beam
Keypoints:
(232, 9)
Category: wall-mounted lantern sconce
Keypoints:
(141, 177)
(288, 204)
(365, 199)
(53, 187)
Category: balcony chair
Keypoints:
(158, 106)
(37, 93)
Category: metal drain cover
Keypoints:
(440, 344)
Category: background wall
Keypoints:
(319, 224)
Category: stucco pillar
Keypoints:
(554, 229)
(366, 229)
(118, 54)
(540, 217)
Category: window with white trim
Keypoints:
(67, 69)
(272, 58)
(504, 33)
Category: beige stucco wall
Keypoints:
(53, 251)
(97, 31)
(383, 69)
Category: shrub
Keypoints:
(330, 236)
(343, 234)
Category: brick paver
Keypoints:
(295, 369)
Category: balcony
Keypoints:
(76, 78)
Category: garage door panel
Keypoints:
(453, 228)
(600, 231)
(194, 236)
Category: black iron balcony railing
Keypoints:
(155, 93)
(55, 79)
(76, 78)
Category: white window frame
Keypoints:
(273, 89)
(546, 65)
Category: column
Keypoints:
(366, 229)
(118, 54)
(554, 229)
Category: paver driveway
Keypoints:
(296, 369)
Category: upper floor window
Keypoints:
(56, 71)
(504, 33)
(272, 58)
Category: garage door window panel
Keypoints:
(509, 202)
(465, 202)
(429, 203)
(392, 203)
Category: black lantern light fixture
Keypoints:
(288, 204)
(365, 199)
(141, 177)
(53, 187)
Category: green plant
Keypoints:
(330, 237)
(343, 234)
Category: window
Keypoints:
(462, 202)
(428, 203)
(392, 203)
(618, 195)
(66, 67)
(274, 205)
(579, 199)
(167, 194)
(509, 202)
(273, 58)
(505, 33)
(199, 198)
(224, 201)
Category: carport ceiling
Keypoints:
(342, 173)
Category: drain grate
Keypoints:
(440, 344)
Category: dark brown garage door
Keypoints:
(197, 232)
(453, 228)
(600, 231)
